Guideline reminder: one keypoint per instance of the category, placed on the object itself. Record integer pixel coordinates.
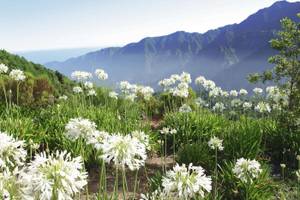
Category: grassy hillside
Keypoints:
(40, 82)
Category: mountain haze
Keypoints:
(226, 55)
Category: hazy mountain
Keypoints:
(226, 55)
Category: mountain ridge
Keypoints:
(212, 54)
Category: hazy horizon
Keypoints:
(54, 25)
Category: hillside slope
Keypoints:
(36, 72)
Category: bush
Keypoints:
(231, 188)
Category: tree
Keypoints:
(286, 72)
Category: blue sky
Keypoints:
(53, 24)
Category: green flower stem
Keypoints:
(18, 86)
(135, 183)
(165, 153)
(124, 184)
(116, 188)
(5, 95)
(216, 174)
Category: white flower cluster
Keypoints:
(12, 152)
(57, 176)
(236, 103)
(243, 92)
(11, 187)
(177, 85)
(3, 68)
(233, 93)
(88, 85)
(113, 95)
(219, 106)
(247, 105)
(17, 75)
(101, 74)
(167, 130)
(214, 91)
(185, 108)
(131, 91)
(206, 84)
(97, 139)
(246, 170)
(142, 137)
(63, 97)
(80, 128)
(145, 91)
(156, 195)
(277, 96)
(77, 89)
(91, 92)
(186, 182)
(81, 75)
(263, 107)
(124, 151)
(215, 143)
(258, 91)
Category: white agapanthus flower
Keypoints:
(146, 92)
(165, 130)
(91, 92)
(236, 103)
(243, 92)
(258, 91)
(131, 97)
(263, 107)
(225, 94)
(216, 143)
(3, 68)
(246, 170)
(129, 90)
(113, 95)
(177, 85)
(11, 187)
(12, 152)
(200, 80)
(81, 75)
(209, 85)
(88, 85)
(124, 151)
(156, 195)
(215, 92)
(142, 137)
(57, 176)
(185, 108)
(219, 106)
(186, 182)
(77, 90)
(185, 78)
(97, 138)
(101, 74)
(247, 105)
(233, 93)
(63, 97)
(277, 96)
(183, 93)
(17, 75)
(79, 127)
